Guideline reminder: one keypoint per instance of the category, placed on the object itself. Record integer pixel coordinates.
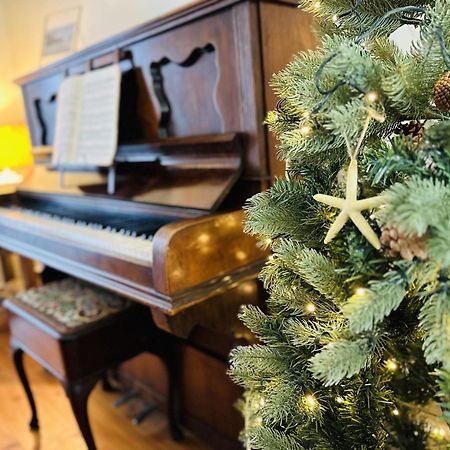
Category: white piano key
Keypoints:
(107, 240)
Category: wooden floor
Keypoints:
(112, 427)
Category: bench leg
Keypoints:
(78, 393)
(17, 354)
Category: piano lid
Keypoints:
(195, 172)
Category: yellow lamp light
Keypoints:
(15, 148)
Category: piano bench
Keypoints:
(77, 332)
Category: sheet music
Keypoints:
(88, 118)
(67, 114)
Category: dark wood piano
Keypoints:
(192, 149)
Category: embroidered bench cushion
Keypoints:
(72, 303)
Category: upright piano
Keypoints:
(192, 148)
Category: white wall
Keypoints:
(21, 33)
(8, 92)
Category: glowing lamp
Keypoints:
(15, 148)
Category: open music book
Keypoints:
(87, 119)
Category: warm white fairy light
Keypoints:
(339, 400)
(438, 433)
(266, 242)
(360, 292)
(392, 365)
(311, 401)
(317, 5)
(311, 308)
(305, 130)
(372, 97)
(335, 19)
(395, 412)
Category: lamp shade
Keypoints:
(15, 148)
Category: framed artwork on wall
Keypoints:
(61, 30)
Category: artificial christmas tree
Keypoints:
(354, 348)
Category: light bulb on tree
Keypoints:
(360, 292)
(392, 365)
(372, 97)
(305, 130)
(311, 401)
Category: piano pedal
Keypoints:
(147, 410)
(125, 398)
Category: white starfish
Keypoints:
(351, 208)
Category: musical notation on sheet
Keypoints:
(87, 118)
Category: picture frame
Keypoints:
(61, 29)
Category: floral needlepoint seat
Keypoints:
(78, 331)
(72, 303)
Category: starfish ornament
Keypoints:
(351, 208)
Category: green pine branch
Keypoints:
(435, 322)
(367, 308)
(340, 360)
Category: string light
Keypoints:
(311, 401)
(360, 292)
(391, 364)
(335, 19)
(272, 117)
(266, 242)
(372, 97)
(305, 130)
(317, 5)
(339, 400)
(438, 433)
(395, 412)
(311, 308)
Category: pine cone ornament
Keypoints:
(408, 247)
(414, 129)
(441, 93)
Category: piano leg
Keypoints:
(78, 394)
(17, 354)
(173, 400)
(168, 354)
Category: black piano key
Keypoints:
(110, 220)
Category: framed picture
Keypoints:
(61, 32)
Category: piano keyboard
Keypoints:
(122, 244)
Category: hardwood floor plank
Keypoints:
(112, 427)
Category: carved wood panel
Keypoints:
(198, 67)
(40, 106)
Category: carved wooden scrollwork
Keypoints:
(40, 118)
(158, 83)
